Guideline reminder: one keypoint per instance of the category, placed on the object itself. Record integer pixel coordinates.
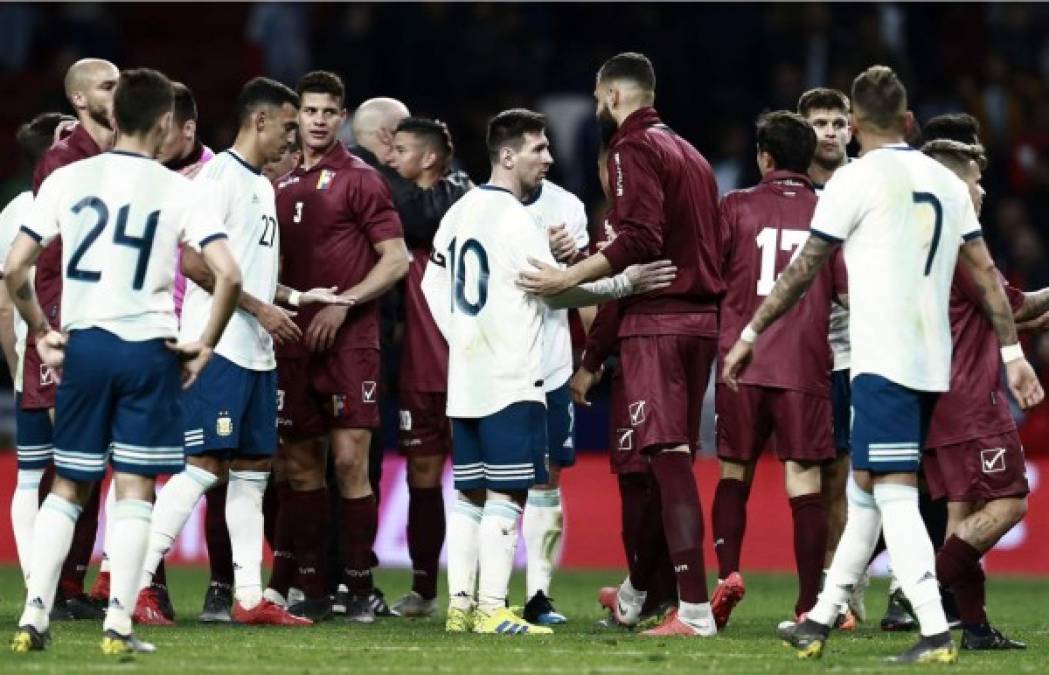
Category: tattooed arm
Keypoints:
(1036, 303)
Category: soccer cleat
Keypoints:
(100, 590)
(217, 604)
(806, 638)
(856, 598)
(933, 649)
(727, 594)
(540, 611)
(675, 625)
(606, 597)
(504, 622)
(75, 608)
(898, 613)
(459, 620)
(657, 618)
(987, 638)
(267, 613)
(295, 596)
(148, 610)
(846, 620)
(413, 605)
(164, 601)
(29, 639)
(115, 644)
(275, 596)
(314, 609)
(378, 603)
(359, 609)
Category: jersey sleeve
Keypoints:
(603, 336)
(637, 200)
(11, 220)
(201, 220)
(42, 221)
(577, 225)
(970, 226)
(436, 282)
(373, 205)
(840, 207)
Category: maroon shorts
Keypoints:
(986, 468)
(664, 379)
(624, 454)
(424, 427)
(799, 425)
(332, 390)
(38, 381)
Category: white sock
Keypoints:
(175, 503)
(858, 540)
(130, 521)
(111, 500)
(543, 527)
(498, 540)
(698, 617)
(632, 600)
(911, 552)
(52, 537)
(463, 541)
(245, 522)
(24, 505)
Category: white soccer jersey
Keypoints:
(493, 328)
(902, 216)
(121, 217)
(838, 328)
(14, 215)
(245, 202)
(552, 205)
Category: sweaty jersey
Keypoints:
(764, 228)
(553, 205)
(244, 202)
(11, 218)
(493, 328)
(902, 216)
(121, 217)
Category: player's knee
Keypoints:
(351, 465)
(801, 479)
(742, 471)
(131, 486)
(425, 472)
(213, 465)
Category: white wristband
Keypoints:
(293, 298)
(748, 335)
(1012, 353)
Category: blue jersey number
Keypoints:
(143, 244)
(459, 277)
(931, 199)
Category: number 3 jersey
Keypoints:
(903, 217)
(121, 217)
(244, 200)
(493, 328)
(763, 229)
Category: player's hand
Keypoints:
(544, 280)
(651, 276)
(582, 382)
(51, 346)
(1024, 384)
(325, 296)
(735, 361)
(320, 335)
(194, 356)
(562, 245)
(277, 322)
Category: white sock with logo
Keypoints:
(498, 538)
(24, 506)
(542, 527)
(246, 531)
(111, 499)
(174, 504)
(698, 617)
(52, 537)
(130, 521)
(464, 526)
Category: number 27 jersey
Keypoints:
(493, 328)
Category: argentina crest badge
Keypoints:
(224, 424)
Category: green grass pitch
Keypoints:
(1018, 606)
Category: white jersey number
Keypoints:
(791, 240)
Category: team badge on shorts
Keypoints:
(992, 460)
(338, 405)
(47, 375)
(406, 420)
(626, 439)
(325, 179)
(637, 413)
(368, 388)
(224, 425)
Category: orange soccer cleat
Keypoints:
(267, 613)
(148, 609)
(727, 595)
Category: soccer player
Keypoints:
(903, 218)
(338, 228)
(120, 381)
(665, 204)
(422, 155)
(783, 397)
(183, 150)
(975, 457)
(374, 125)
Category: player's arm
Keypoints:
(25, 249)
(636, 279)
(601, 339)
(1035, 306)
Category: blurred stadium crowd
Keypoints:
(719, 65)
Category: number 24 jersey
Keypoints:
(493, 328)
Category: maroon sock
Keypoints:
(270, 505)
(74, 569)
(958, 568)
(283, 574)
(425, 538)
(311, 519)
(682, 522)
(216, 535)
(729, 522)
(360, 520)
(810, 547)
(633, 493)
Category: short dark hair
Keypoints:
(433, 133)
(822, 98)
(954, 154)
(142, 97)
(322, 82)
(629, 66)
(961, 127)
(262, 91)
(789, 138)
(38, 134)
(881, 97)
(185, 104)
(509, 128)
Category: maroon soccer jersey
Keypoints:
(976, 405)
(664, 197)
(763, 228)
(331, 216)
(424, 360)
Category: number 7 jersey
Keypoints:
(493, 328)
(121, 216)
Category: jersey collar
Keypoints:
(243, 162)
(784, 175)
(635, 121)
(495, 188)
(338, 154)
(534, 197)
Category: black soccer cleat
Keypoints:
(218, 602)
(314, 609)
(359, 609)
(377, 601)
(76, 608)
(29, 639)
(899, 616)
(987, 638)
(932, 649)
(806, 638)
(540, 611)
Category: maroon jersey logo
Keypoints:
(47, 375)
(637, 413)
(368, 391)
(626, 439)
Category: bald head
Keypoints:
(374, 123)
(89, 86)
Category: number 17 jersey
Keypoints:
(493, 328)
